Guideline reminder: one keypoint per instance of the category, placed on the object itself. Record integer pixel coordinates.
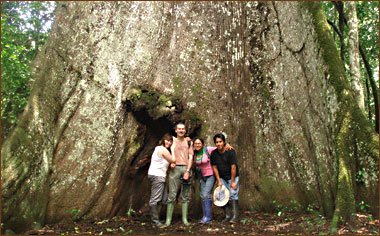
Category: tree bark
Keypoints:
(353, 47)
(372, 81)
(368, 99)
(350, 131)
(369, 73)
(113, 77)
(340, 6)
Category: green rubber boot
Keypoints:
(184, 213)
(169, 213)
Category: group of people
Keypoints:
(215, 164)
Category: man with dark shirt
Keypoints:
(226, 171)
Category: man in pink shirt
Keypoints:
(180, 173)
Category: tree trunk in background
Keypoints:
(339, 7)
(370, 75)
(353, 48)
(368, 98)
(373, 87)
(113, 77)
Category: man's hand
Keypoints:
(172, 165)
(233, 185)
(186, 175)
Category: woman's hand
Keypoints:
(228, 147)
(172, 165)
(219, 184)
(233, 185)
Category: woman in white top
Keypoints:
(161, 158)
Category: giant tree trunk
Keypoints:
(114, 76)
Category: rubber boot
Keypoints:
(226, 209)
(208, 212)
(204, 213)
(154, 216)
(169, 214)
(235, 210)
(184, 213)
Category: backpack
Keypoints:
(207, 153)
(198, 171)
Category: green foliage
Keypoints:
(320, 220)
(364, 207)
(279, 207)
(246, 220)
(130, 211)
(368, 16)
(75, 215)
(24, 29)
(360, 175)
(312, 208)
(292, 206)
(128, 232)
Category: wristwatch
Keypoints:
(187, 170)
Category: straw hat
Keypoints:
(221, 196)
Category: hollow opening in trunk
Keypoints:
(134, 186)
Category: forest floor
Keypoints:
(250, 224)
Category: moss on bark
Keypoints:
(159, 105)
(351, 124)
